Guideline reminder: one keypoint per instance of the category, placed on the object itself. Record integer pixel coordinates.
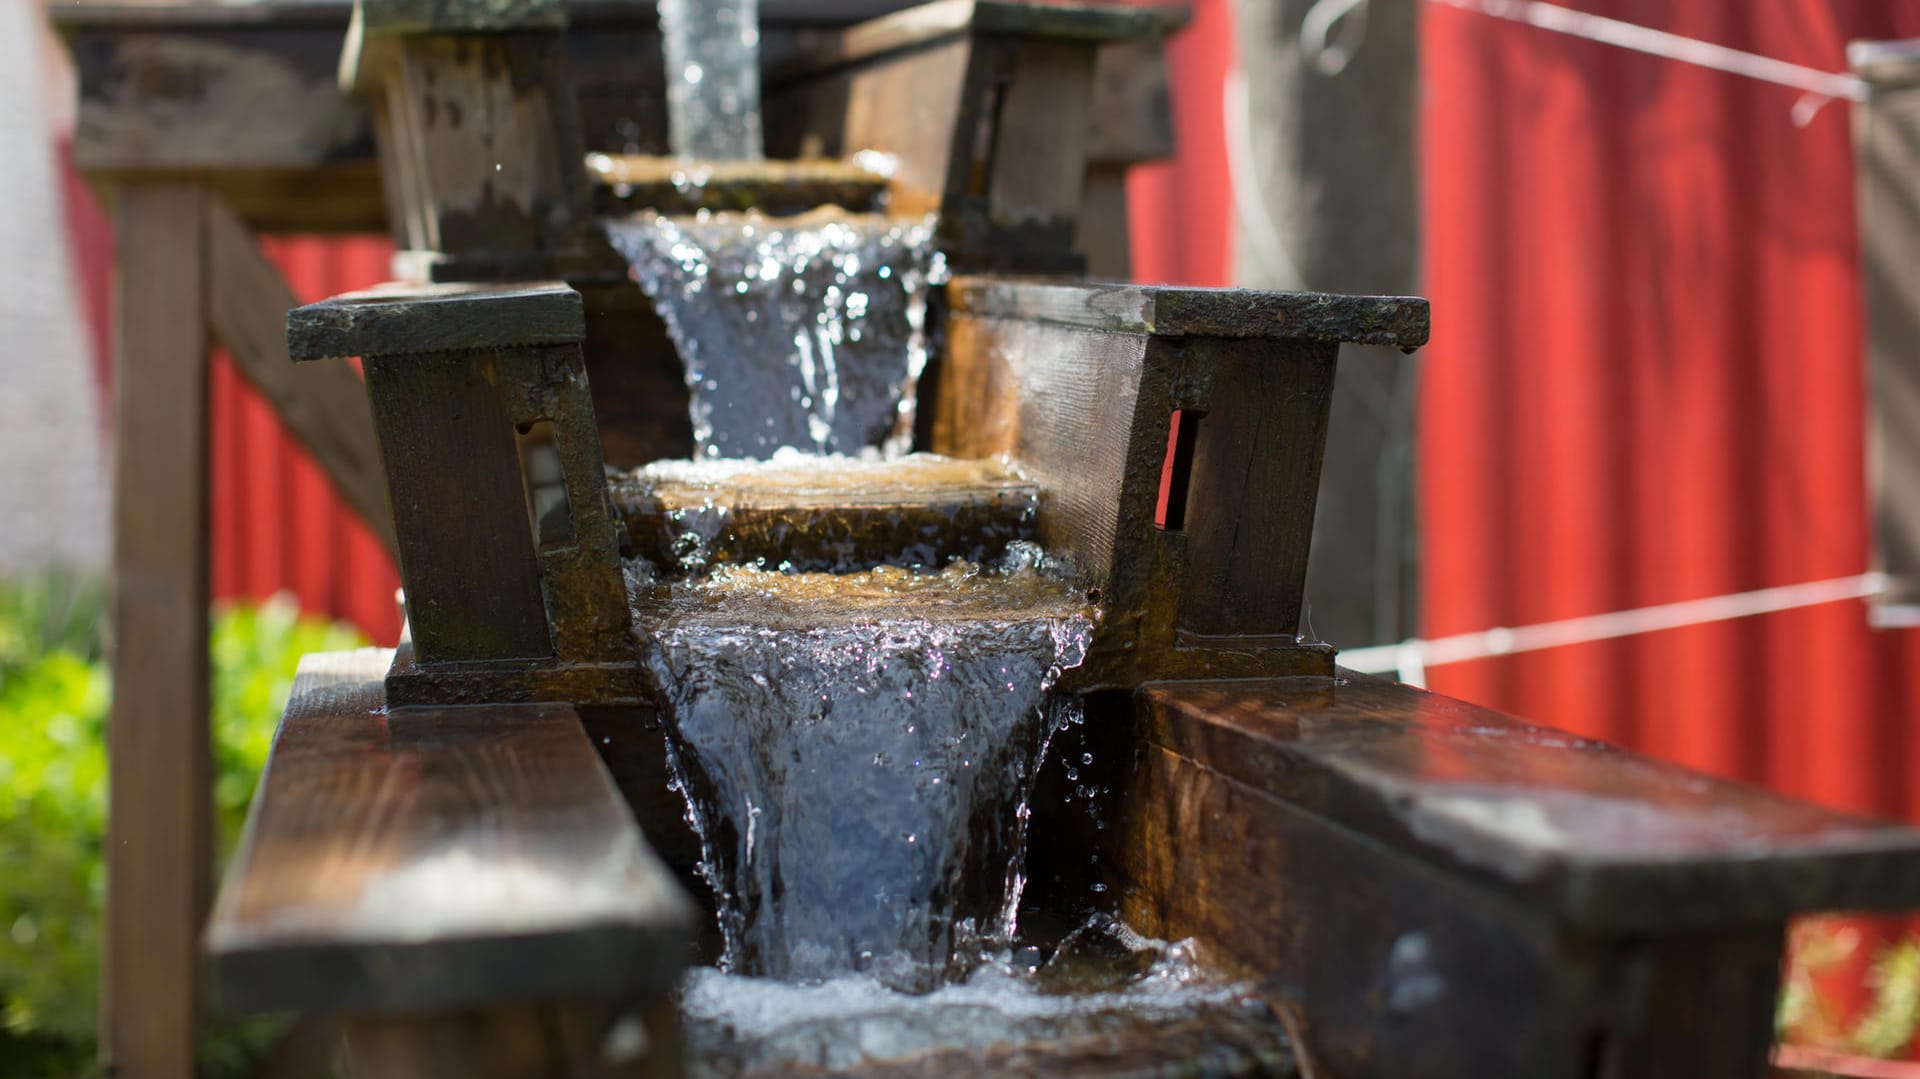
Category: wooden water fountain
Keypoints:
(468, 848)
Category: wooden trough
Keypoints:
(467, 849)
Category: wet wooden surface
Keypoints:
(910, 512)
(432, 859)
(400, 319)
(323, 405)
(1431, 888)
(1599, 838)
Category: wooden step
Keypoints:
(830, 516)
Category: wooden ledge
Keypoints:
(1396, 321)
(406, 319)
(1592, 836)
(428, 859)
(927, 24)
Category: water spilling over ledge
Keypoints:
(808, 513)
(805, 332)
(857, 751)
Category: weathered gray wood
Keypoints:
(1887, 155)
(931, 23)
(435, 16)
(1080, 384)
(1397, 321)
(159, 757)
(420, 319)
(435, 859)
(921, 511)
(323, 406)
(1597, 838)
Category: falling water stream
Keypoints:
(857, 749)
(804, 332)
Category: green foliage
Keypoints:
(54, 692)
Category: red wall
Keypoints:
(1644, 385)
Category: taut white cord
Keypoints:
(1410, 659)
(1817, 86)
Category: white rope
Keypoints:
(1411, 658)
(1817, 86)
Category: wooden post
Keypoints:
(1887, 162)
(159, 757)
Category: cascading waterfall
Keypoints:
(857, 750)
(806, 332)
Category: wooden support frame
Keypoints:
(189, 274)
(1887, 162)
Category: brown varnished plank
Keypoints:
(1603, 839)
(1167, 311)
(1253, 483)
(436, 858)
(444, 429)
(323, 405)
(159, 758)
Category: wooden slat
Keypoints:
(437, 859)
(1887, 155)
(158, 744)
(448, 446)
(1598, 838)
(402, 318)
(323, 405)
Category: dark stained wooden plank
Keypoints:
(1254, 477)
(1080, 384)
(159, 756)
(323, 405)
(437, 859)
(453, 469)
(1396, 321)
(931, 23)
(1598, 838)
(417, 319)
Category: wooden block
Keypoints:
(454, 471)
(1081, 384)
(324, 407)
(1430, 888)
(418, 319)
(437, 859)
(159, 755)
(984, 105)
(1595, 838)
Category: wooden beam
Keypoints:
(323, 405)
(425, 860)
(159, 757)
